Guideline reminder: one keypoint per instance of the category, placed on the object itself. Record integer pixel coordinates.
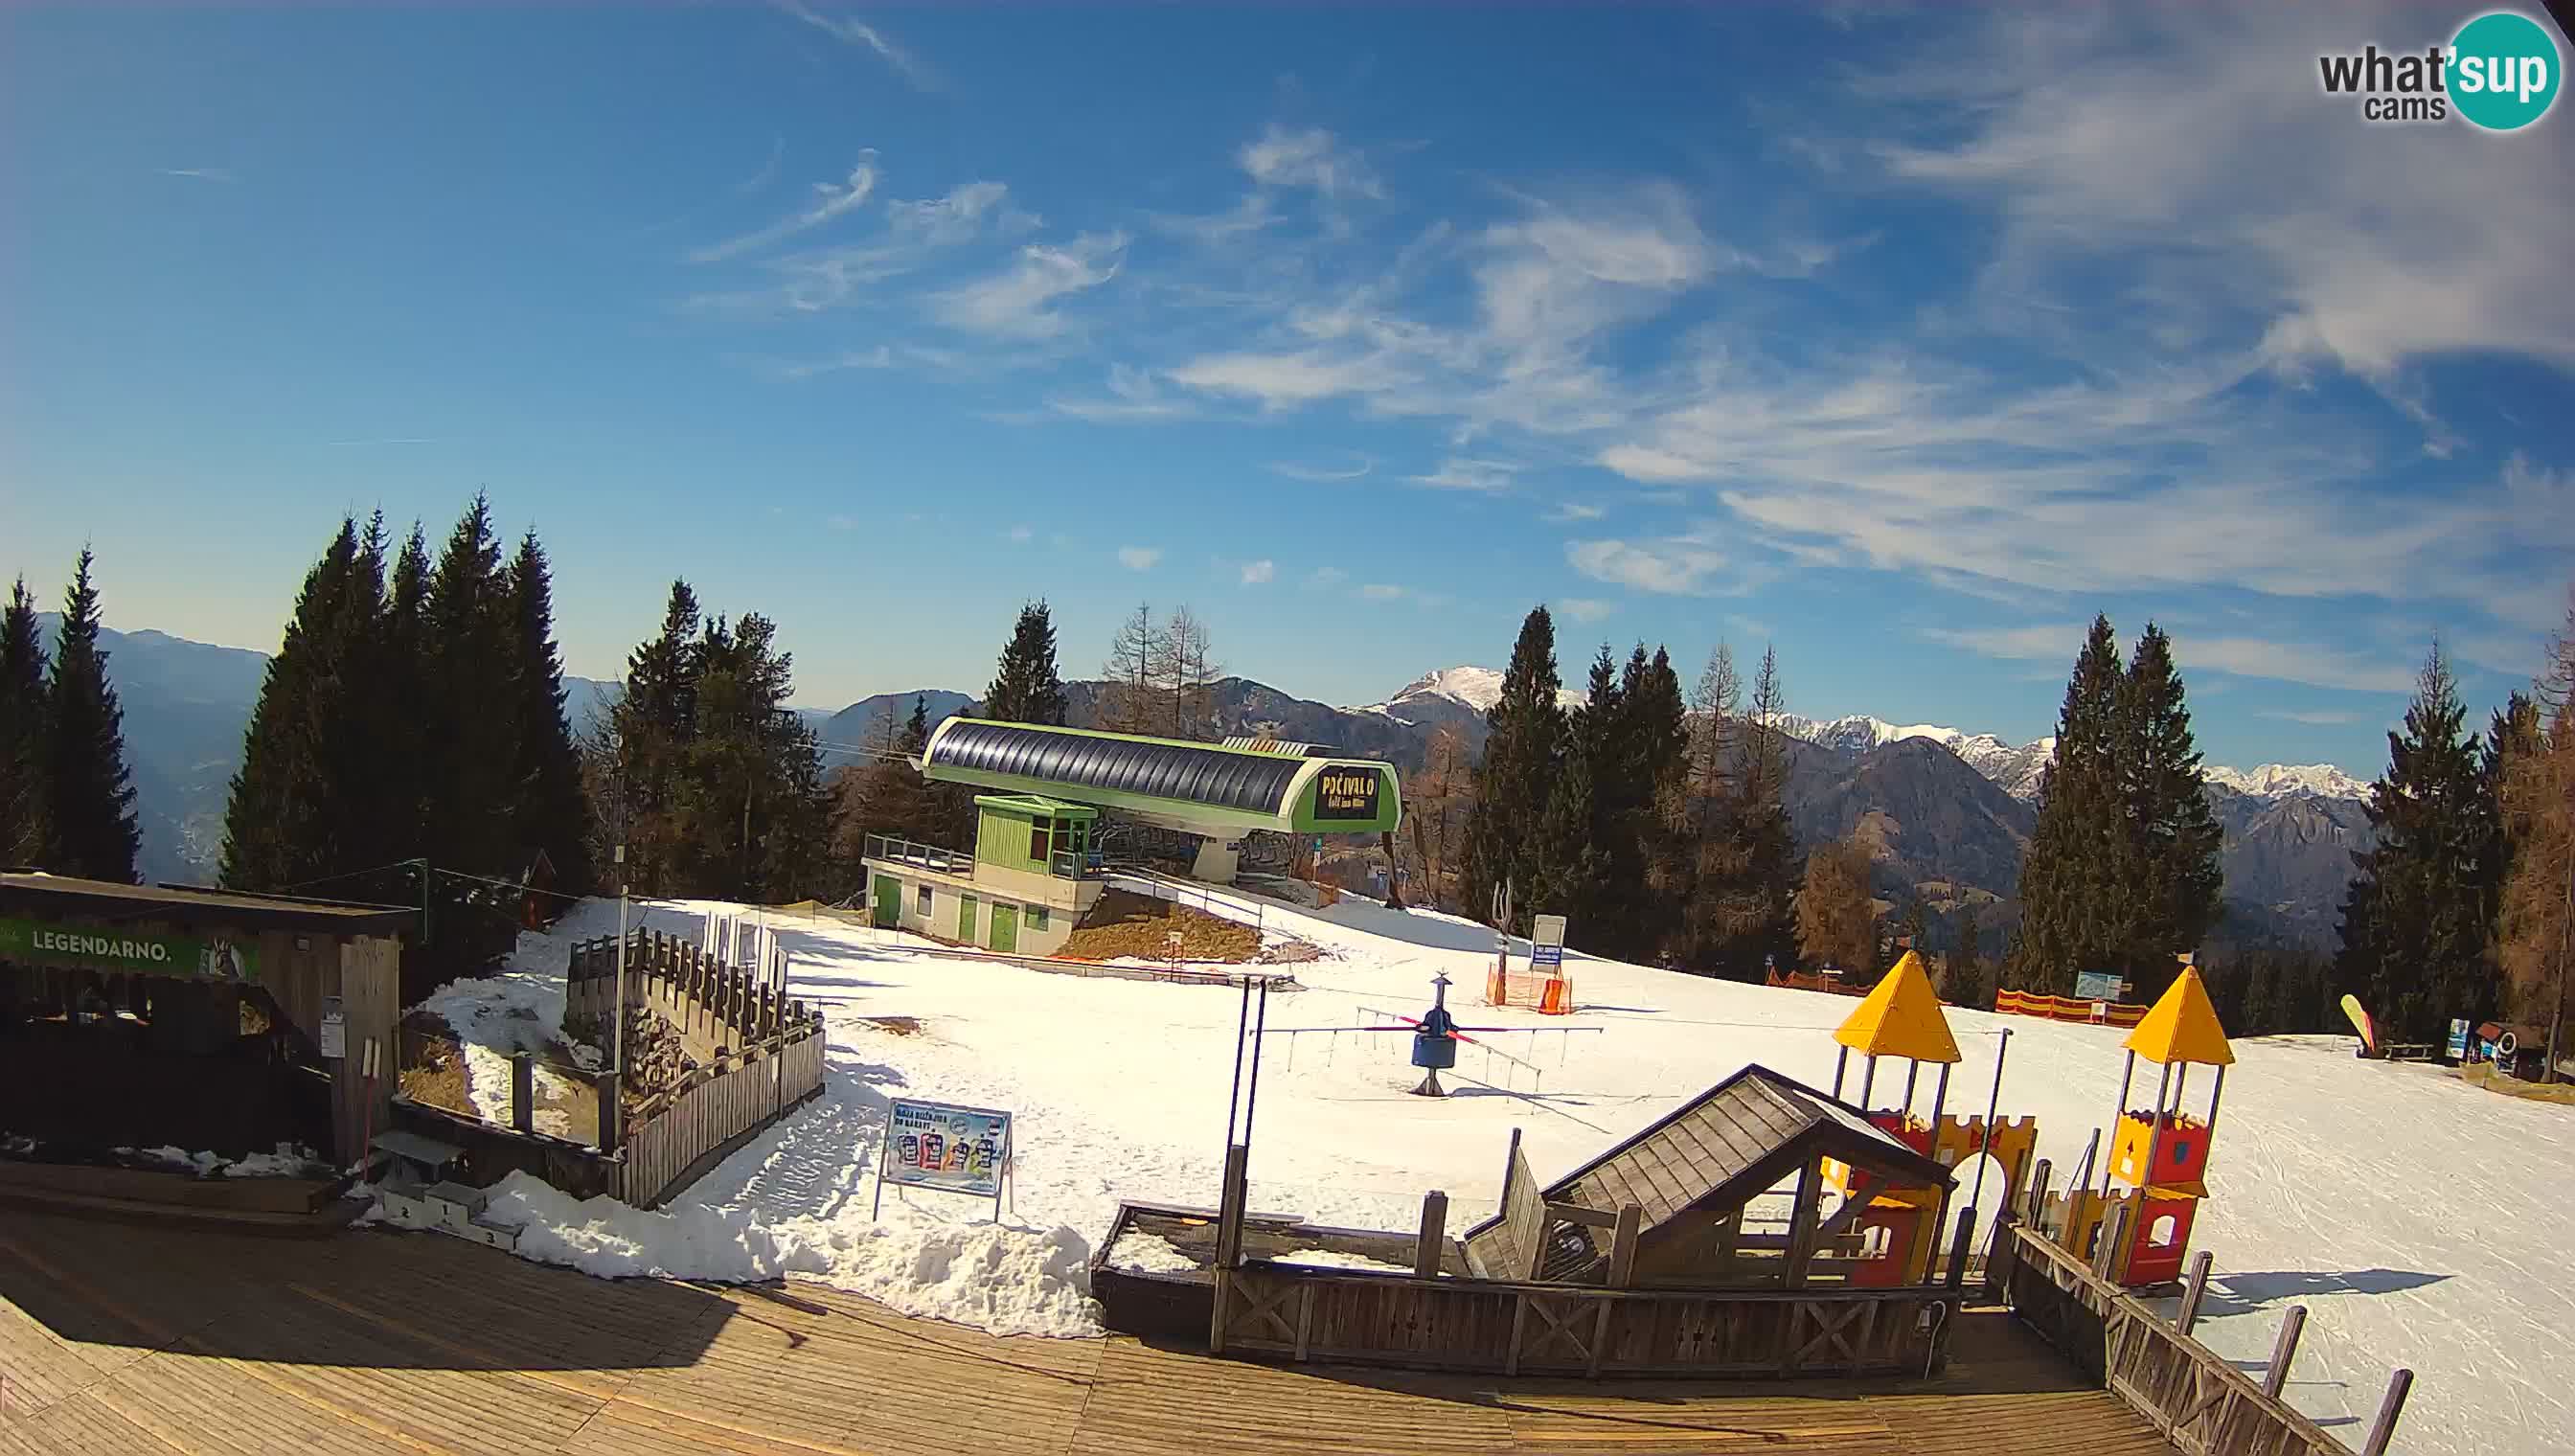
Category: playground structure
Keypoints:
(2136, 1222)
(1901, 1018)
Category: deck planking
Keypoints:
(129, 1340)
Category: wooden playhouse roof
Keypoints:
(2182, 1026)
(1901, 1017)
(1731, 1144)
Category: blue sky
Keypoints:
(1904, 339)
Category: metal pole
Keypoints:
(1234, 1094)
(1251, 1097)
(2215, 1094)
(1841, 1061)
(1867, 1080)
(1912, 1070)
(2118, 1111)
(1993, 1101)
(617, 1056)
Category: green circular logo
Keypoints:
(2503, 71)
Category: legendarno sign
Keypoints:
(42, 943)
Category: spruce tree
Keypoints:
(643, 742)
(548, 806)
(1963, 983)
(22, 731)
(2173, 835)
(402, 688)
(89, 791)
(473, 746)
(1515, 783)
(287, 822)
(2077, 856)
(1579, 854)
(1760, 916)
(2419, 913)
(1027, 686)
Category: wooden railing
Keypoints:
(2199, 1401)
(703, 997)
(681, 1133)
(1513, 1328)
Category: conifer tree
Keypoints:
(1025, 687)
(638, 756)
(1645, 812)
(2535, 929)
(1837, 919)
(1579, 854)
(549, 810)
(401, 692)
(2415, 947)
(295, 800)
(2174, 835)
(1964, 981)
(1515, 780)
(2077, 856)
(23, 737)
(89, 807)
(474, 743)
(1760, 909)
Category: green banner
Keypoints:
(43, 943)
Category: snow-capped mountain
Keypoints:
(1451, 694)
(2285, 780)
(1446, 694)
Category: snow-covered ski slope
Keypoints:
(2422, 1223)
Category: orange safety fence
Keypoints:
(1548, 995)
(2069, 1008)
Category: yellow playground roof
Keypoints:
(1901, 1017)
(2182, 1026)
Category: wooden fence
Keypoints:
(1515, 1328)
(767, 1058)
(2200, 1402)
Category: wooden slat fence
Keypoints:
(2196, 1399)
(1515, 1328)
(682, 1133)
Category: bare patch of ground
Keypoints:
(1124, 923)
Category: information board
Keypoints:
(215, 957)
(1547, 941)
(2098, 985)
(949, 1148)
(2459, 1044)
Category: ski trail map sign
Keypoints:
(945, 1147)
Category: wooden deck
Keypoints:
(117, 1339)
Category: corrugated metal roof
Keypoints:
(1188, 772)
(142, 901)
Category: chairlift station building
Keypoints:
(1036, 866)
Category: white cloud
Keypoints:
(1280, 380)
(1138, 558)
(1459, 473)
(879, 357)
(1679, 565)
(201, 174)
(1751, 625)
(1015, 302)
(830, 202)
(768, 172)
(1309, 158)
(1319, 472)
(1022, 533)
(1133, 398)
(959, 215)
(2244, 656)
(2049, 641)
(1260, 573)
(1584, 609)
(1381, 592)
(1572, 511)
(2320, 719)
(857, 33)
(1328, 576)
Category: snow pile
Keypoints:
(1327, 1259)
(1011, 1281)
(288, 1162)
(1150, 1254)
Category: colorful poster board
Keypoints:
(945, 1147)
(2097, 985)
(42, 943)
(2458, 1042)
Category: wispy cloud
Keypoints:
(1381, 592)
(880, 357)
(1020, 535)
(768, 172)
(1461, 474)
(1328, 576)
(383, 439)
(1015, 302)
(1572, 511)
(1216, 230)
(1138, 558)
(201, 174)
(1751, 627)
(1311, 158)
(1323, 472)
(2243, 657)
(1133, 398)
(2319, 717)
(1689, 564)
(2048, 640)
(1281, 381)
(850, 31)
(1260, 573)
(830, 202)
(1584, 609)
